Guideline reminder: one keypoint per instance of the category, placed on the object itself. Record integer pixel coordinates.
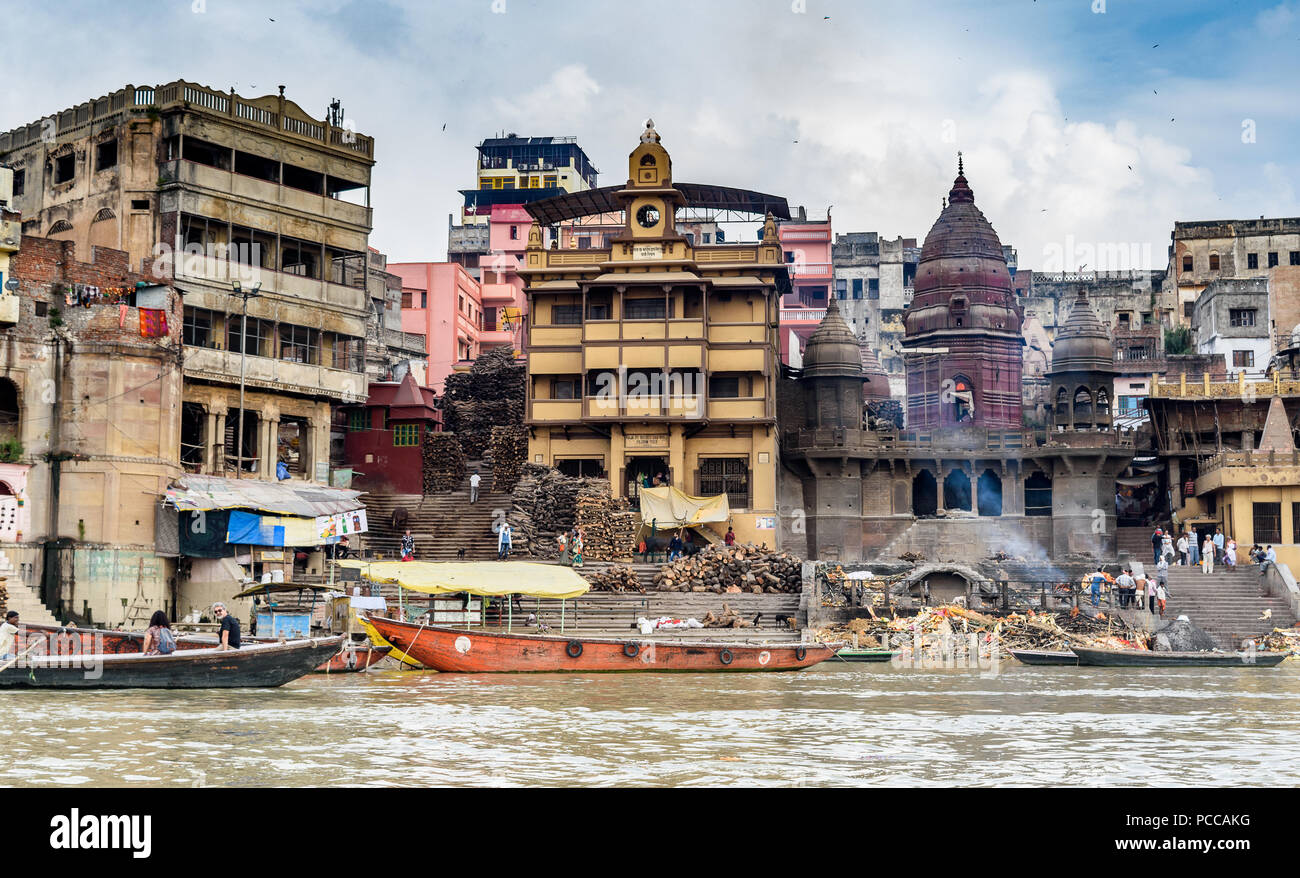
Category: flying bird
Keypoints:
(1156, 46)
(444, 126)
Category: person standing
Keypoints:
(1161, 594)
(8, 636)
(1097, 579)
(1230, 554)
(474, 481)
(1193, 547)
(1167, 545)
(1218, 545)
(563, 542)
(1125, 585)
(1182, 551)
(1207, 556)
(1162, 572)
(578, 547)
(229, 626)
(408, 546)
(675, 548)
(503, 541)
(1137, 596)
(1151, 591)
(730, 538)
(1157, 540)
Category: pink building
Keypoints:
(504, 303)
(444, 302)
(807, 248)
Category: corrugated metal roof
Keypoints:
(205, 493)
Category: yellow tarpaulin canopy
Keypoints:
(486, 579)
(669, 507)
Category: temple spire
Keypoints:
(960, 172)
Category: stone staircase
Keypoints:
(440, 523)
(1227, 603)
(1135, 542)
(22, 597)
(959, 538)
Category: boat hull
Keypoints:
(1136, 658)
(866, 655)
(455, 650)
(354, 657)
(1045, 657)
(257, 665)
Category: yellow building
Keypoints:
(654, 356)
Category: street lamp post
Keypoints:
(244, 294)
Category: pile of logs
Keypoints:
(509, 451)
(608, 526)
(732, 569)
(4, 595)
(616, 577)
(444, 463)
(729, 619)
(490, 394)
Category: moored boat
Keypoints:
(1045, 657)
(457, 650)
(354, 657)
(849, 654)
(255, 665)
(1141, 658)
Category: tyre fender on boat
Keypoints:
(725, 656)
(801, 652)
(573, 649)
(631, 650)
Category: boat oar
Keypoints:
(11, 661)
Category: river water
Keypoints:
(835, 724)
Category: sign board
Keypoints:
(765, 522)
(645, 440)
(647, 251)
(330, 527)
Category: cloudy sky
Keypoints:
(1083, 122)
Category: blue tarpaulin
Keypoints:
(253, 530)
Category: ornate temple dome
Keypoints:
(962, 280)
(833, 351)
(1082, 342)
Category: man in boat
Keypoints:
(229, 626)
(8, 635)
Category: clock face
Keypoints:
(648, 216)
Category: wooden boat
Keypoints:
(849, 654)
(484, 652)
(1045, 657)
(60, 641)
(255, 665)
(1141, 658)
(354, 657)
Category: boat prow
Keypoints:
(456, 650)
(1045, 657)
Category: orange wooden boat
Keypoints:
(355, 657)
(483, 652)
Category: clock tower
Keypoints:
(649, 200)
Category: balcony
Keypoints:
(223, 272)
(280, 376)
(809, 270)
(803, 315)
(231, 184)
(495, 295)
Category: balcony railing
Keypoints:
(1250, 460)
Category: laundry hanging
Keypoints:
(153, 323)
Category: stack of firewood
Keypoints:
(444, 463)
(721, 569)
(509, 451)
(616, 577)
(728, 618)
(608, 526)
(490, 394)
(4, 595)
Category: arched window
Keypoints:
(989, 493)
(1187, 263)
(1214, 262)
(925, 494)
(104, 213)
(963, 400)
(60, 226)
(1082, 405)
(647, 161)
(1103, 403)
(1062, 403)
(956, 490)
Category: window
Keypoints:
(1038, 494)
(406, 435)
(1243, 359)
(1241, 316)
(259, 333)
(708, 237)
(251, 247)
(644, 309)
(1146, 318)
(564, 388)
(873, 288)
(1252, 260)
(1272, 260)
(358, 420)
(841, 288)
(566, 315)
(139, 203)
(1188, 308)
(1124, 319)
(196, 328)
(1187, 263)
(299, 344)
(598, 306)
(1214, 262)
(584, 243)
(349, 353)
(549, 181)
(20, 184)
(857, 288)
(1268, 523)
(1295, 254)
(65, 168)
(726, 475)
(300, 257)
(105, 155)
(204, 233)
(1131, 404)
(301, 178)
(724, 387)
(514, 233)
(256, 166)
(1295, 523)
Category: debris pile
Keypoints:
(616, 577)
(490, 394)
(1281, 640)
(509, 451)
(1182, 636)
(731, 569)
(443, 463)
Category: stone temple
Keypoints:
(964, 479)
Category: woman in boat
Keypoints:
(158, 638)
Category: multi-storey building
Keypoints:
(874, 285)
(521, 170)
(654, 355)
(442, 302)
(233, 196)
(1231, 319)
(1203, 251)
(806, 247)
(11, 238)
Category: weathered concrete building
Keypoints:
(225, 191)
(91, 392)
(874, 280)
(1205, 250)
(1231, 319)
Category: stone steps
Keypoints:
(1227, 604)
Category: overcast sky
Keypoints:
(1079, 126)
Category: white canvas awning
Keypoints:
(204, 493)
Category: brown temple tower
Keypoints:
(962, 343)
